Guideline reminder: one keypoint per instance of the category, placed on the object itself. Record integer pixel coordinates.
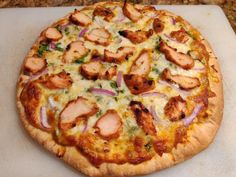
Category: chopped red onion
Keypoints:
(188, 120)
(62, 27)
(118, 41)
(85, 128)
(38, 75)
(154, 114)
(102, 91)
(121, 17)
(119, 78)
(199, 68)
(82, 32)
(184, 93)
(148, 94)
(44, 117)
(52, 102)
(173, 20)
(52, 46)
(171, 39)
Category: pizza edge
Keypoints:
(201, 137)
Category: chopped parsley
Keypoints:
(132, 130)
(115, 98)
(79, 61)
(58, 47)
(148, 146)
(156, 70)
(158, 44)
(191, 35)
(58, 28)
(99, 113)
(113, 84)
(120, 91)
(42, 48)
(67, 31)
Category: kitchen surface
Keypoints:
(22, 156)
(228, 6)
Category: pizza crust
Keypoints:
(200, 137)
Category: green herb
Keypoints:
(58, 47)
(189, 52)
(115, 98)
(99, 113)
(113, 84)
(67, 31)
(99, 98)
(158, 43)
(50, 64)
(58, 28)
(100, 85)
(150, 78)
(148, 146)
(120, 91)
(132, 130)
(192, 36)
(79, 61)
(42, 49)
(156, 70)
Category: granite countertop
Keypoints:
(229, 6)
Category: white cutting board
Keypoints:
(21, 156)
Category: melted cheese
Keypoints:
(120, 102)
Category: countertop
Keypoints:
(228, 6)
(21, 156)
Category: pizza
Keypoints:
(120, 89)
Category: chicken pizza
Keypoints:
(118, 89)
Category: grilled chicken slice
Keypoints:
(136, 37)
(104, 12)
(184, 82)
(53, 34)
(143, 117)
(158, 25)
(35, 64)
(91, 70)
(120, 56)
(75, 110)
(108, 74)
(96, 55)
(138, 84)
(180, 35)
(94, 70)
(80, 18)
(176, 108)
(131, 12)
(75, 50)
(180, 59)
(109, 125)
(61, 80)
(99, 36)
(142, 64)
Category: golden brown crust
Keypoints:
(200, 136)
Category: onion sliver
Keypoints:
(44, 117)
(119, 78)
(82, 32)
(148, 94)
(102, 91)
(188, 120)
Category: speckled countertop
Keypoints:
(229, 6)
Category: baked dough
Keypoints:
(200, 135)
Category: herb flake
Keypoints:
(42, 49)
